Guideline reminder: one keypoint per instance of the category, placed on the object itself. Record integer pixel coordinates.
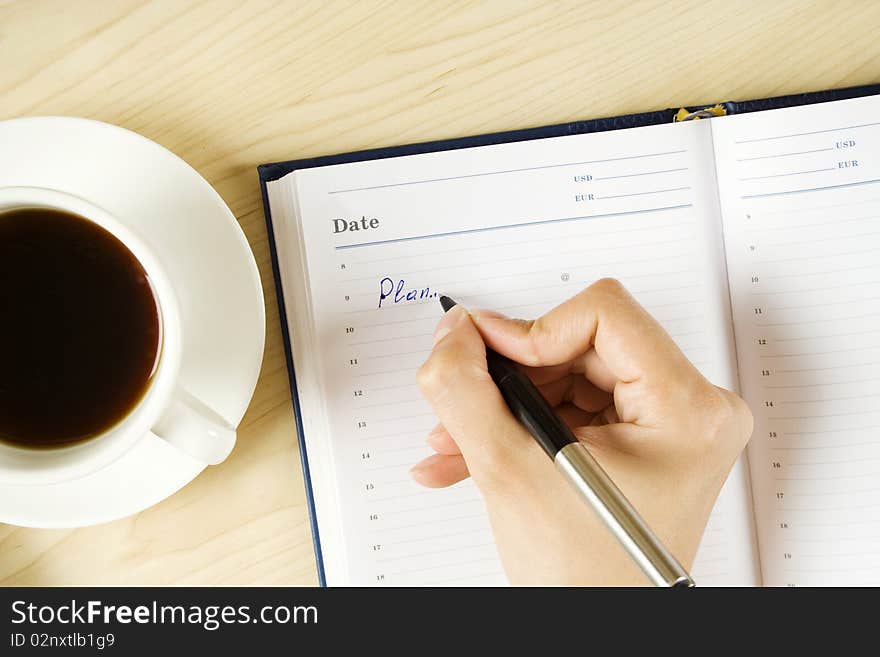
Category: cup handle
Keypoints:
(196, 429)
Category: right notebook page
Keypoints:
(800, 200)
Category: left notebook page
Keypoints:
(365, 248)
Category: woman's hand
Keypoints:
(664, 434)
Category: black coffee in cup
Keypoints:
(80, 328)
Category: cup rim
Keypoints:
(46, 465)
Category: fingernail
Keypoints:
(432, 439)
(416, 471)
(449, 321)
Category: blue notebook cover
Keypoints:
(276, 170)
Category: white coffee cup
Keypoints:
(166, 409)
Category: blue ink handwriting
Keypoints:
(395, 291)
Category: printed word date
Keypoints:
(351, 225)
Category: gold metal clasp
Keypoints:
(686, 115)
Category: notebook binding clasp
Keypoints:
(684, 114)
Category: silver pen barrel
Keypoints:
(600, 492)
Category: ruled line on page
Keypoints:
(865, 443)
(855, 553)
(426, 553)
(434, 537)
(432, 521)
(838, 523)
(811, 189)
(825, 239)
(420, 509)
(823, 336)
(818, 321)
(834, 539)
(801, 134)
(397, 450)
(835, 569)
(835, 508)
(398, 370)
(820, 385)
(392, 339)
(399, 496)
(840, 270)
(463, 578)
(582, 252)
(847, 461)
(444, 565)
(827, 303)
(506, 171)
(637, 175)
(818, 255)
(832, 431)
(405, 417)
(653, 191)
(791, 227)
(820, 208)
(485, 229)
(593, 235)
(386, 436)
(775, 155)
(403, 464)
(830, 478)
(790, 173)
(395, 402)
(843, 286)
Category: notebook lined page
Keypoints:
(801, 205)
(518, 228)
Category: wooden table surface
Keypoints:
(228, 85)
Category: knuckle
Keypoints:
(722, 416)
(742, 416)
(433, 375)
(610, 287)
(609, 295)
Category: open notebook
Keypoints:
(754, 239)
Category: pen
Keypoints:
(578, 466)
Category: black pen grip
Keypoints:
(528, 405)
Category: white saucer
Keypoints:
(208, 260)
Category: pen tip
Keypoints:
(446, 302)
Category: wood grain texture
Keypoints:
(230, 84)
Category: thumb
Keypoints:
(455, 380)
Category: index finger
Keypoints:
(604, 317)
